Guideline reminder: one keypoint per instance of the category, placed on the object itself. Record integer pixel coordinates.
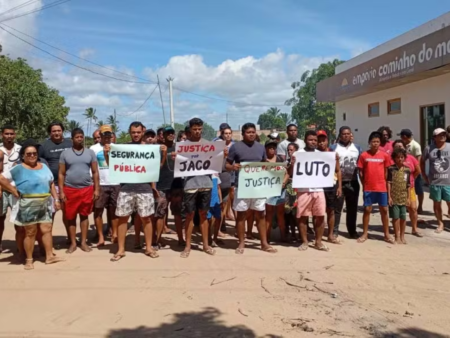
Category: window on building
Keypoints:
(394, 106)
(374, 109)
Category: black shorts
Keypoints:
(330, 197)
(226, 194)
(199, 200)
(108, 196)
(174, 197)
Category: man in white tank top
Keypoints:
(9, 155)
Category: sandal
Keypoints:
(185, 254)
(152, 254)
(417, 234)
(303, 247)
(323, 247)
(270, 249)
(210, 251)
(362, 239)
(28, 264)
(389, 240)
(117, 258)
(438, 230)
(239, 251)
(335, 241)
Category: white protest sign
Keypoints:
(314, 169)
(198, 158)
(134, 163)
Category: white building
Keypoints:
(403, 83)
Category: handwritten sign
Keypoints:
(260, 179)
(198, 158)
(314, 169)
(134, 163)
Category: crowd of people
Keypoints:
(38, 180)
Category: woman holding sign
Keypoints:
(275, 204)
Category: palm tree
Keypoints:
(100, 123)
(89, 113)
(112, 121)
(274, 111)
(123, 137)
(73, 125)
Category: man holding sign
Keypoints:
(196, 160)
(311, 175)
(248, 150)
(135, 169)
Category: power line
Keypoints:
(18, 7)
(71, 63)
(50, 5)
(143, 103)
(78, 57)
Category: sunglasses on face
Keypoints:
(33, 154)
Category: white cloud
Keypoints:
(86, 53)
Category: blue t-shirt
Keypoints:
(30, 182)
(244, 152)
(215, 200)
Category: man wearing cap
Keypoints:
(108, 191)
(169, 189)
(438, 154)
(149, 137)
(292, 133)
(222, 127)
(275, 137)
(413, 148)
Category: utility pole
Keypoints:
(162, 103)
(172, 118)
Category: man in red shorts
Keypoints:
(76, 188)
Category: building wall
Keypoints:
(414, 95)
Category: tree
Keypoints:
(73, 125)
(306, 111)
(26, 101)
(89, 113)
(123, 137)
(273, 118)
(100, 123)
(112, 121)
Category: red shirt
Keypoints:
(373, 169)
(410, 162)
(388, 147)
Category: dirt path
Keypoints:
(356, 290)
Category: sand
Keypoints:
(355, 290)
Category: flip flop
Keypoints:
(239, 251)
(323, 247)
(54, 260)
(389, 240)
(362, 239)
(117, 258)
(210, 251)
(270, 250)
(303, 247)
(152, 254)
(335, 241)
(417, 234)
(185, 254)
(438, 231)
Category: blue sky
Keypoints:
(244, 51)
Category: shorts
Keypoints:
(397, 212)
(439, 193)
(7, 201)
(33, 211)
(244, 204)
(412, 194)
(127, 202)
(277, 200)
(172, 196)
(215, 212)
(198, 200)
(330, 197)
(108, 197)
(371, 197)
(311, 204)
(226, 194)
(418, 185)
(79, 201)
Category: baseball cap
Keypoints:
(168, 129)
(270, 143)
(224, 126)
(150, 131)
(105, 130)
(406, 132)
(274, 136)
(438, 131)
(322, 133)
